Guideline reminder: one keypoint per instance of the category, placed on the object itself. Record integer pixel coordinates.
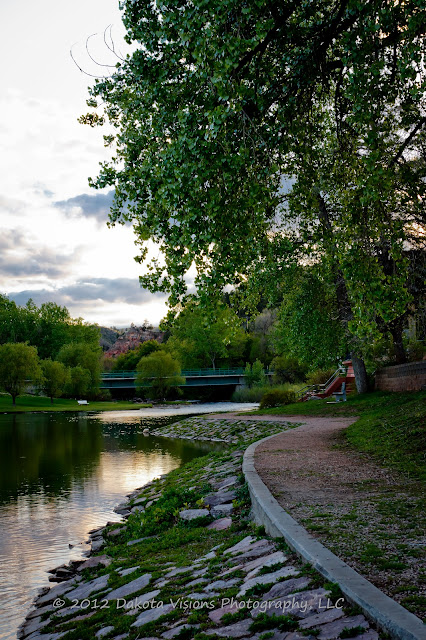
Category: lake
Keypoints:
(61, 475)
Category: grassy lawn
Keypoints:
(35, 403)
(391, 426)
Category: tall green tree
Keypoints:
(55, 378)
(220, 100)
(19, 366)
(160, 372)
(85, 357)
(203, 337)
(128, 361)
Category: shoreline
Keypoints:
(177, 537)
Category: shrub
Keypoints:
(255, 394)
(277, 398)
(287, 369)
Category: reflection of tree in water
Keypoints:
(45, 452)
(54, 452)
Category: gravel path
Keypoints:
(368, 515)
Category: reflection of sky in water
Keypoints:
(62, 475)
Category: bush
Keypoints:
(287, 369)
(277, 398)
(255, 394)
(320, 376)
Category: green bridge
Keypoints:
(193, 378)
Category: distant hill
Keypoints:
(109, 337)
(128, 339)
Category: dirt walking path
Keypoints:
(370, 516)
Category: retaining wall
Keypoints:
(403, 377)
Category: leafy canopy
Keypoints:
(19, 365)
(220, 100)
(161, 372)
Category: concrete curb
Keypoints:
(389, 616)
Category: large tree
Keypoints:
(19, 367)
(220, 100)
(160, 372)
(203, 337)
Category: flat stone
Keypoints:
(35, 624)
(161, 583)
(192, 514)
(227, 482)
(134, 606)
(177, 571)
(193, 583)
(84, 590)
(369, 635)
(152, 614)
(137, 509)
(103, 632)
(122, 636)
(199, 572)
(243, 545)
(220, 525)
(301, 605)
(171, 633)
(268, 578)
(255, 552)
(221, 497)
(35, 613)
(217, 615)
(57, 591)
(237, 630)
(329, 615)
(264, 561)
(125, 572)
(97, 544)
(332, 630)
(223, 584)
(95, 562)
(115, 532)
(282, 589)
(132, 542)
(130, 587)
(202, 596)
(227, 509)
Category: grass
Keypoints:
(27, 403)
(391, 426)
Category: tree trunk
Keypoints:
(13, 399)
(51, 400)
(396, 329)
(360, 372)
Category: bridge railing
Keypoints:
(108, 375)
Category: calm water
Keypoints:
(62, 475)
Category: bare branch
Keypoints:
(91, 75)
(408, 140)
(110, 66)
(112, 49)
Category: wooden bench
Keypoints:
(82, 402)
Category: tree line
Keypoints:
(45, 347)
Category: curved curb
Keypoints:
(378, 607)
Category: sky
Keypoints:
(54, 241)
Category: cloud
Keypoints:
(20, 256)
(88, 291)
(93, 206)
(11, 205)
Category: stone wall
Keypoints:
(403, 377)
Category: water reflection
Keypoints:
(60, 476)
